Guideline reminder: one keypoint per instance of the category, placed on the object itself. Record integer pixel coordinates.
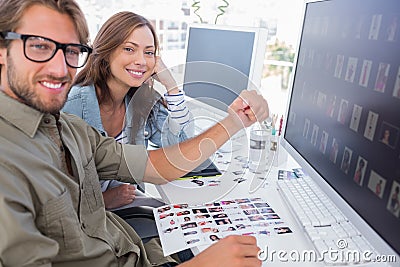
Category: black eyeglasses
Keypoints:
(42, 49)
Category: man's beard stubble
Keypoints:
(21, 89)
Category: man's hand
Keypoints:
(119, 196)
(232, 251)
(248, 108)
(168, 163)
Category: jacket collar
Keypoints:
(20, 115)
(90, 107)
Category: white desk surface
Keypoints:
(178, 192)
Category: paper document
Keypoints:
(182, 226)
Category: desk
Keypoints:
(178, 192)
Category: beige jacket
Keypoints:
(50, 218)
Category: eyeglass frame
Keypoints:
(8, 35)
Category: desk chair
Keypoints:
(141, 219)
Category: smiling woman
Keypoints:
(114, 93)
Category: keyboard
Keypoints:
(324, 224)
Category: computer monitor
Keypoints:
(221, 61)
(343, 117)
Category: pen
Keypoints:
(280, 126)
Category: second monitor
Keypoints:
(221, 61)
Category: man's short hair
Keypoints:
(11, 12)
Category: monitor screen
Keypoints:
(344, 107)
(221, 61)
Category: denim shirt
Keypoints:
(162, 131)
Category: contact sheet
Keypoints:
(182, 226)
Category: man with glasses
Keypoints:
(51, 208)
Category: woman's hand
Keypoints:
(119, 196)
(164, 76)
